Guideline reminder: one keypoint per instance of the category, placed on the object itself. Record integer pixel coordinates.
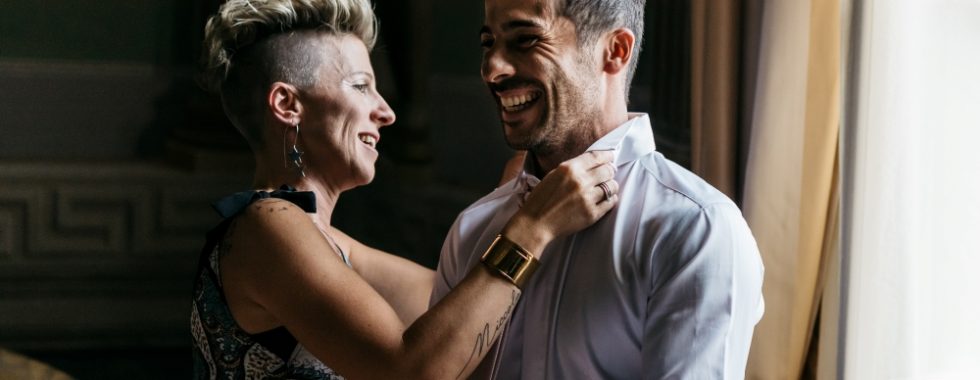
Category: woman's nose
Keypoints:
(383, 115)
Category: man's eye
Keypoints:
(486, 43)
(527, 41)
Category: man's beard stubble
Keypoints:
(566, 130)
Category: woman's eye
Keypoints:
(361, 87)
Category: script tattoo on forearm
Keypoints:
(484, 339)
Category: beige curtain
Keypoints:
(791, 184)
(715, 73)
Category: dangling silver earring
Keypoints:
(294, 154)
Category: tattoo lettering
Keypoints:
(484, 340)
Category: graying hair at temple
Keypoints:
(593, 17)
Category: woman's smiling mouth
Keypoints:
(368, 139)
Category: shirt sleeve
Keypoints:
(447, 269)
(706, 297)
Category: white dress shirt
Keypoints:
(668, 285)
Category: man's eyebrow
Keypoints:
(513, 24)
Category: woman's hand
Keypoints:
(570, 198)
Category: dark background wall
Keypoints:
(109, 156)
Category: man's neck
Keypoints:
(545, 163)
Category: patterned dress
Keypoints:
(222, 350)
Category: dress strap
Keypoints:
(343, 255)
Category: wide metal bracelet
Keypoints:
(511, 260)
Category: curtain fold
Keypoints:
(715, 58)
(790, 188)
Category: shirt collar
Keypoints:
(629, 141)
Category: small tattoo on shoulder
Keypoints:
(271, 205)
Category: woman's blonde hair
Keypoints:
(250, 44)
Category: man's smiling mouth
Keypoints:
(518, 102)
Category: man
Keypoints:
(668, 284)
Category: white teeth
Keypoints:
(369, 140)
(516, 101)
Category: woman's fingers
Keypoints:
(602, 173)
(606, 190)
(587, 162)
(591, 159)
(576, 194)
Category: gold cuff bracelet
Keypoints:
(511, 260)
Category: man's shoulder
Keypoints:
(479, 214)
(458, 251)
(685, 217)
(491, 201)
(666, 180)
(676, 205)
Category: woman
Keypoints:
(283, 294)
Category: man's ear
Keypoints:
(618, 51)
(284, 104)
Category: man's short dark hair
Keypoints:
(594, 17)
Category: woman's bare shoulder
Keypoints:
(273, 216)
(270, 228)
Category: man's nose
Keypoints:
(496, 67)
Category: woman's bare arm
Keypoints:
(277, 273)
(405, 284)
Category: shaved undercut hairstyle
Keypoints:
(251, 44)
(592, 18)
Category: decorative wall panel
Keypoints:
(99, 254)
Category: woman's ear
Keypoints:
(618, 51)
(284, 104)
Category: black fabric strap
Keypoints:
(233, 204)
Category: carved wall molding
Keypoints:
(104, 211)
(101, 254)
